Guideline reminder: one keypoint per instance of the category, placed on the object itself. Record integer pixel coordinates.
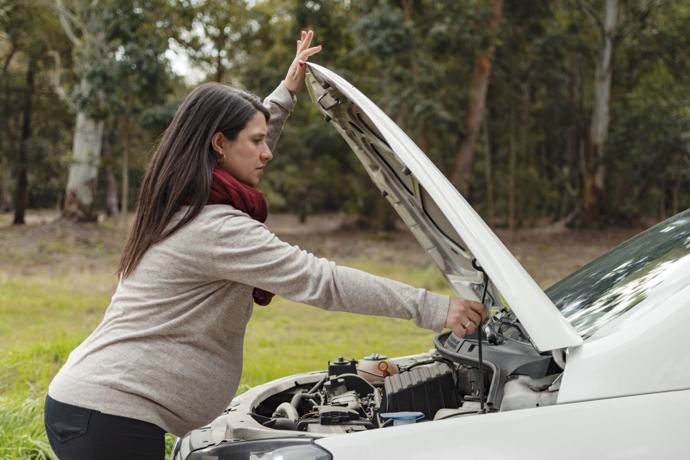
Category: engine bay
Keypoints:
(376, 392)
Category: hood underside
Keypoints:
(446, 226)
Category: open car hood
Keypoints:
(446, 226)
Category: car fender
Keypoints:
(636, 427)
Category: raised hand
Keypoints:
(294, 80)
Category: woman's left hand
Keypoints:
(295, 76)
(464, 316)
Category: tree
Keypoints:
(464, 159)
(653, 165)
(88, 132)
(122, 69)
(31, 31)
(420, 61)
(217, 35)
(610, 32)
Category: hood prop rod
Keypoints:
(482, 409)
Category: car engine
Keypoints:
(358, 395)
(346, 402)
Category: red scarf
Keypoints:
(225, 189)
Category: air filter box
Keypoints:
(423, 389)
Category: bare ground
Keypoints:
(548, 253)
(47, 243)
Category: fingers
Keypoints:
(303, 49)
(462, 331)
(305, 41)
(294, 79)
(470, 329)
(474, 310)
(464, 316)
(475, 317)
(480, 309)
(304, 55)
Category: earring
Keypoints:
(221, 160)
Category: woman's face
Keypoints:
(246, 156)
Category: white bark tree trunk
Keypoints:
(83, 172)
(602, 93)
(88, 133)
(595, 172)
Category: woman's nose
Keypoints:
(266, 155)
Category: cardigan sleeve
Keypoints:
(246, 252)
(280, 103)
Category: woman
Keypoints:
(168, 354)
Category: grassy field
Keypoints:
(56, 280)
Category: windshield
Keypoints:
(652, 265)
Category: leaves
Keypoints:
(123, 67)
(413, 58)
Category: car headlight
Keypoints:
(264, 449)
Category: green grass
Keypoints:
(22, 434)
(43, 317)
(37, 308)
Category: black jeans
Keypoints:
(76, 433)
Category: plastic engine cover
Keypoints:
(422, 389)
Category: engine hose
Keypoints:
(286, 410)
(318, 386)
(294, 402)
(297, 399)
(430, 361)
(420, 363)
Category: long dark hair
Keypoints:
(181, 169)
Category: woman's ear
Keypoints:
(217, 142)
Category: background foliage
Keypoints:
(415, 58)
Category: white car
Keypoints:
(598, 366)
